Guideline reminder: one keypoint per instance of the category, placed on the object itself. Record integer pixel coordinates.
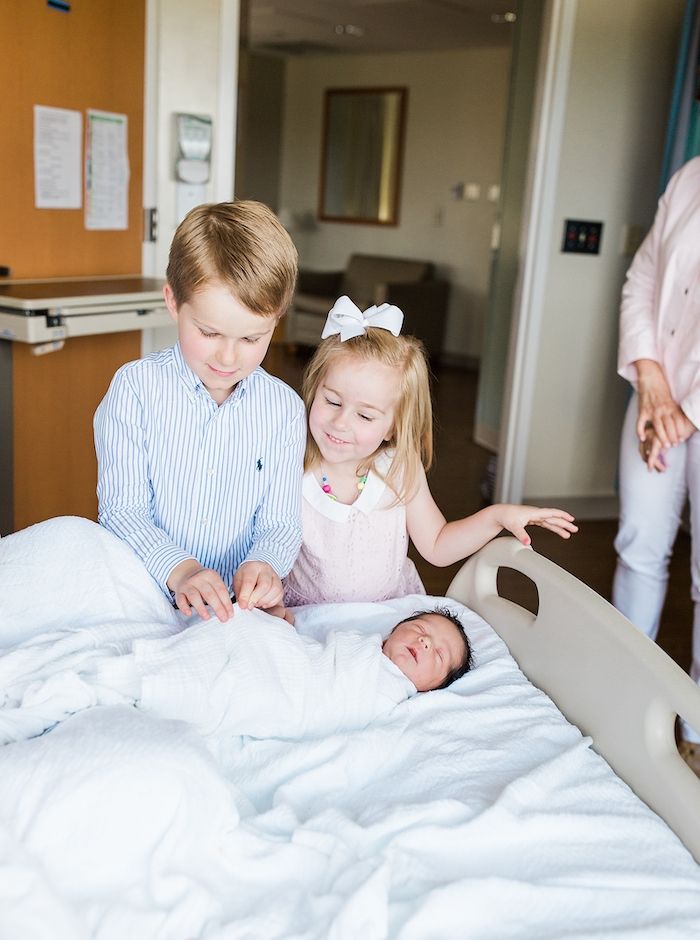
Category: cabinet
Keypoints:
(60, 344)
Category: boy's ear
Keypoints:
(169, 299)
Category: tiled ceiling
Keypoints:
(307, 27)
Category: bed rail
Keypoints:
(604, 675)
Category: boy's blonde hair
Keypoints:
(240, 244)
(412, 434)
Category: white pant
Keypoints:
(650, 513)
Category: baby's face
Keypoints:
(425, 649)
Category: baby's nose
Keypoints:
(426, 642)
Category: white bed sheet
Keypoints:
(473, 812)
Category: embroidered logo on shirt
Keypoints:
(259, 464)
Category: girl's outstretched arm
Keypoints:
(443, 543)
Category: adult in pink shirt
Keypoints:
(659, 353)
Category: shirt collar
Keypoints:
(194, 384)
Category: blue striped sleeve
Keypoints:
(124, 489)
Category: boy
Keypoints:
(199, 450)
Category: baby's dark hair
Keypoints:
(467, 662)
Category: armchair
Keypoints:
(367, 280)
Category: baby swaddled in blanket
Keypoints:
(255, 675)
(100, 632)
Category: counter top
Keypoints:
(41, 311)
(32, 295)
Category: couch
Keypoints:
(367, 280)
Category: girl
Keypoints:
(367, 394)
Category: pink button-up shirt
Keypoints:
(660, 311)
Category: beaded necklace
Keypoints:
(326, 487)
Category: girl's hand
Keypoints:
(280, 611)
(515, 518)
(194, 587)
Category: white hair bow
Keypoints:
(346, 319)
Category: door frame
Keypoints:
(538, 223)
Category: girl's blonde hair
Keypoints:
(412, 434)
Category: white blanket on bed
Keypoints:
(254, 675)
(471, 812)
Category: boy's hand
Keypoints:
(515, 518)
(195, 587)
(257, 584)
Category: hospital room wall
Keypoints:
(617, 99)
(192, 56)
(454, 131)
(618, 90)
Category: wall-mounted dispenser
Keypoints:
(193, 135)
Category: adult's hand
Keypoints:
(652, 453)
(657, 409)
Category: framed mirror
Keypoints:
(361, 154)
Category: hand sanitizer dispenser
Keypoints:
(193, 161)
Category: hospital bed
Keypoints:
(606, 677)
(478, 811)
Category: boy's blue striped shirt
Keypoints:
(180, 477)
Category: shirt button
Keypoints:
(205, 522)
(210, 472)
(686, 290)
(673, 332)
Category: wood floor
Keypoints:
(455, 479)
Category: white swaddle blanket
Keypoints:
(256, 675)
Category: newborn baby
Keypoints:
(256, 675)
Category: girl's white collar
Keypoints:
(366, 502)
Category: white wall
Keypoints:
(195, 56)
(188, 80)
(455, 127)
(619, 84)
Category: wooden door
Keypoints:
(89, 56)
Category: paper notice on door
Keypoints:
(57, 158)
(106, 171)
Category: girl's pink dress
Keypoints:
(352, 553)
